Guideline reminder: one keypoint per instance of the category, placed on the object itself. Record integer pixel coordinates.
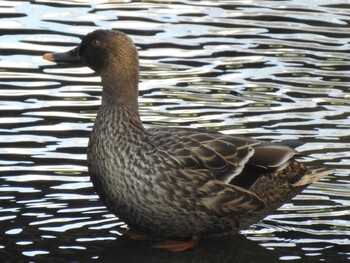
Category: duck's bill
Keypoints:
(71, 56)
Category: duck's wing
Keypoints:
(224, 155)
(225, 199)
(216, 197)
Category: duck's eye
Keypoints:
(95, 43)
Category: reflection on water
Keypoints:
(274, 70)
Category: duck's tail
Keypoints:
(275, 189)
(313, 175)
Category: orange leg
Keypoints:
(177, 246)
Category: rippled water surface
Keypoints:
(276, 70)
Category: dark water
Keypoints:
(275, 70)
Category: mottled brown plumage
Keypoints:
(176, 182)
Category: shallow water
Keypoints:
(276, 70)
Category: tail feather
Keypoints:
(276, 189)
(311, 176)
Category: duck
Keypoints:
(176, 184)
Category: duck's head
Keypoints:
(112, 54)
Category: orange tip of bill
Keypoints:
(49, 57)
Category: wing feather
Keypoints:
(225, 199)
(225, 156)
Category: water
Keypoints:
(275, 70)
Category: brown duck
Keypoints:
(171, 182)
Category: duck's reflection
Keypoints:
(236, 249)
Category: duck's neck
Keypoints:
(120, 99)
